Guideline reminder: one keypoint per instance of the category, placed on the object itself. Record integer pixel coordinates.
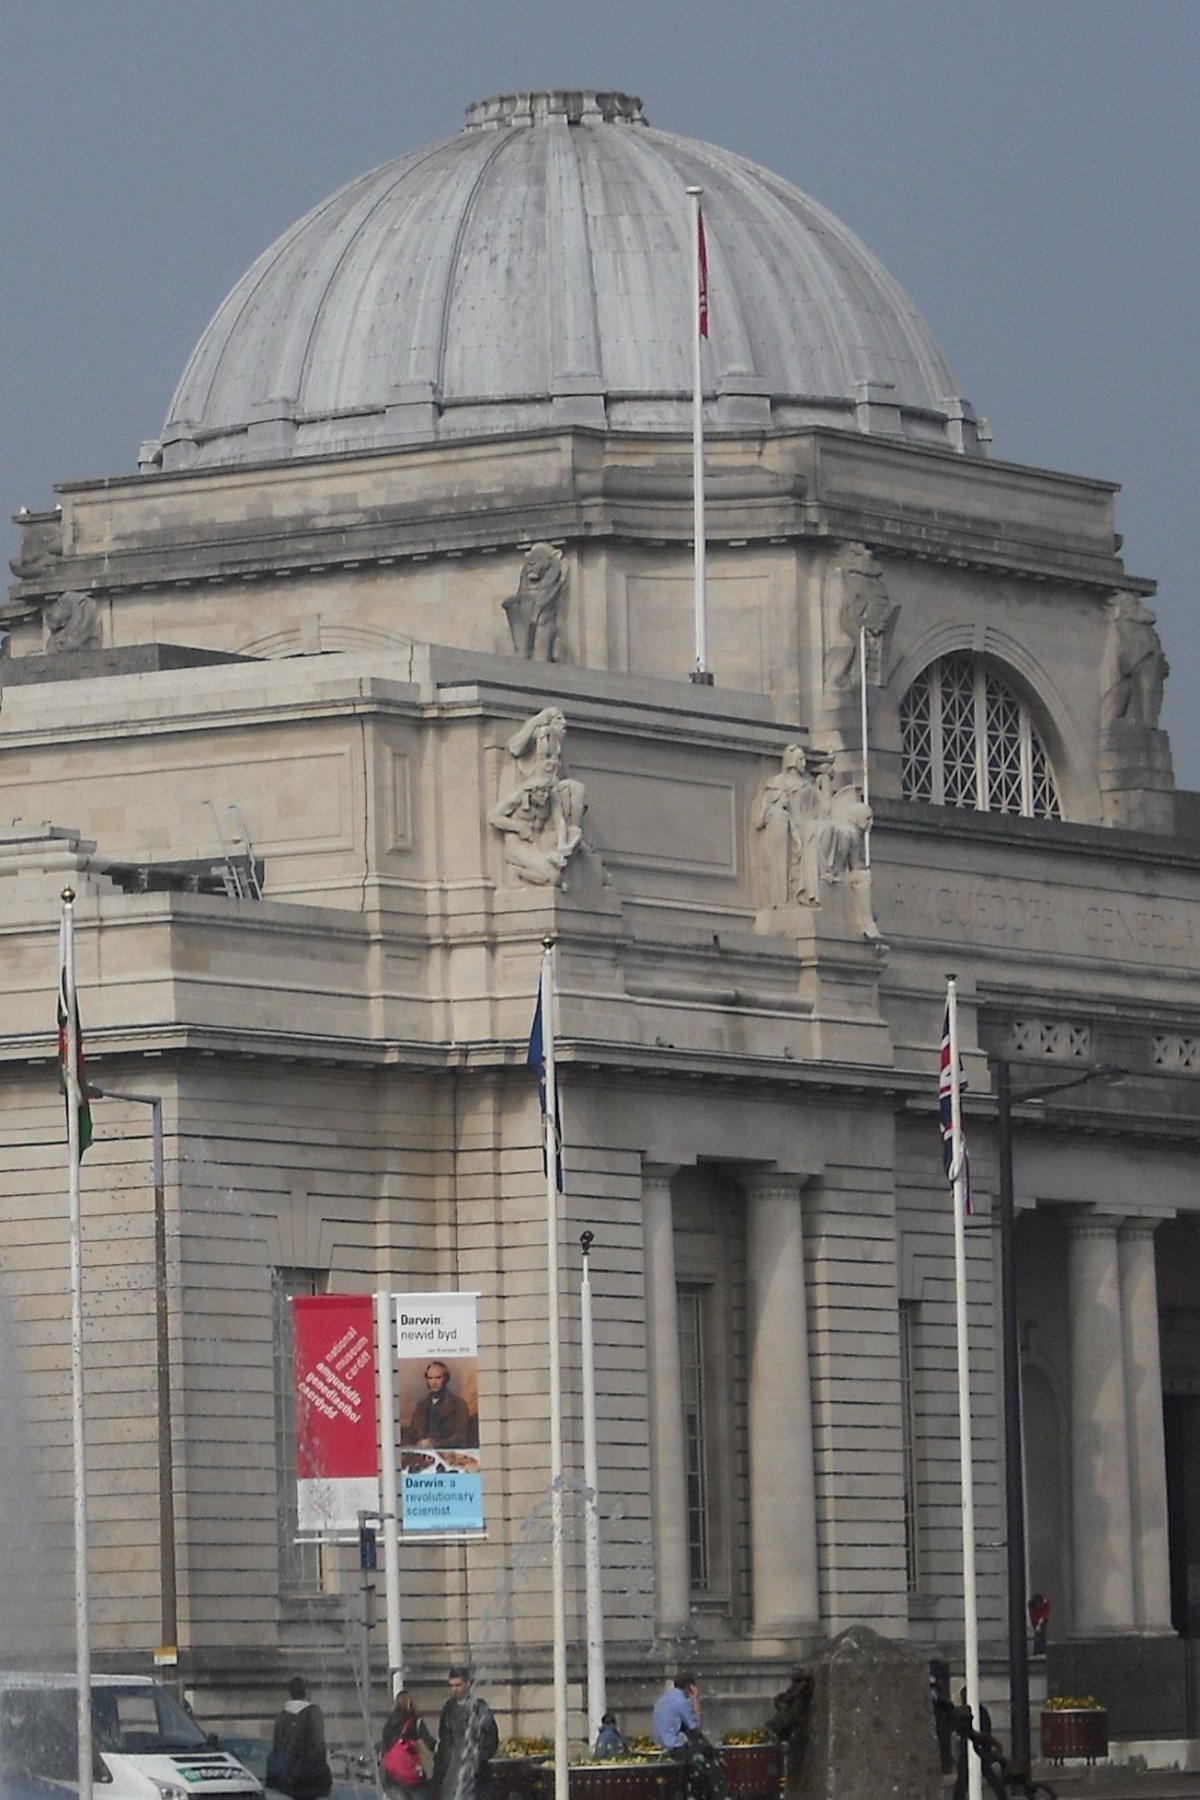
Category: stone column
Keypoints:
(1102, 1544)
(668, 1478)
(1144, 1402)
(783, 1513)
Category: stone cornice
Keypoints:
(483, 496)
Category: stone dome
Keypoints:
(535, 271)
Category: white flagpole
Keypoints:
(866, 761)
(388, 1499)
(550, 1136)
(701, 672)
(83, 1652)
(597, 1691)
(958, 1169)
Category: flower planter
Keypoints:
(514, 1777)
(649, 1779)
(1075, 1731)
(753, 1771)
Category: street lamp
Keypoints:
(168, 1598)
(1014, 1493)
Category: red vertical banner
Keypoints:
(337, 1425)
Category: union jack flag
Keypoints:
(946, 1116)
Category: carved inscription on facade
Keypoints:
(918, 905)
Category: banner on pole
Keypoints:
(437, 1378)
(337, 1426)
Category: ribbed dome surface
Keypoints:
(537, 270)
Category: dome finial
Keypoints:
(578, 106)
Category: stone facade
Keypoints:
(323, 779)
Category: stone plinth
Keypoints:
(871, 1732)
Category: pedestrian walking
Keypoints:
(400, 1763)
(298, 1765)
(466, 1742)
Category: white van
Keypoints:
(146, 1745)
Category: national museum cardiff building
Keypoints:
(378, 673)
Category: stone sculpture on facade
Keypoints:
(40, 554)
(813, 836)
(788, 813)
(532, 612)
(864, 606)
(1134, 665)
(541, 819)
(72, 623)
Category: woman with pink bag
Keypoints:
(400, 1765)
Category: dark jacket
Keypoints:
(441, 1419)
(300, 1734)
(467, 1740)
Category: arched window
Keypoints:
(968, 741)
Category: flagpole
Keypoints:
(388, 1500)
(550, 1131)
(866, 765)
(958, 1173)
(597, 1691)
(698, 303)
(83, 1654)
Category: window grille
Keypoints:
(1054, 1039)
(967, 741)
(692, 1307)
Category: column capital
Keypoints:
(1143, 1224)
(1086, 1221)
(760, 1180)
(661, 1173)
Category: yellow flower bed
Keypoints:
(1064, 1703)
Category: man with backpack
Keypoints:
(298, 1765)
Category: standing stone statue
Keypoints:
(72, 623)
(864, 607)
(788, 814)
(541, 819)
(532, 611)
(1134, 669)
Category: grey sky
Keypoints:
(1030, 171)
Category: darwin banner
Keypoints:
(437, 1379)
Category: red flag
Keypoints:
(702, 272)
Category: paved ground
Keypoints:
(1075, 1782)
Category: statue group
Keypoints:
(541, 819)
(813, 836)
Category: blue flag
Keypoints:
(535, 1056)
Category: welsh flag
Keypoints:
(66, 994)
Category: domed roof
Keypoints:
(537, 270)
